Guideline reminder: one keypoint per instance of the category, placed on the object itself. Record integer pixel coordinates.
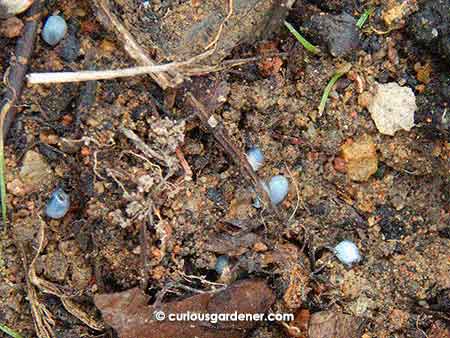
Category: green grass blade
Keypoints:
(363, 18)
(305, 43)
(337, 75)
(9, 331)
(2, 181)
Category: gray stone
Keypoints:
(35, 171)
(338, 32)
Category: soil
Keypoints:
(193, 204)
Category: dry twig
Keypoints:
(233, 152)
(42, 316)
(165, 80)
(87, 95)
(142, 146)
(14, 76)
(222, 25)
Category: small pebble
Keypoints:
(11, 28)
(255, 158)
(347, 252)
(222, 264)
(9, 8)
(70, 48)
(278, 189)
(54, 30)
(58, 204)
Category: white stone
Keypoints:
(392, 108)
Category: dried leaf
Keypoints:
(328, 324)
(128, 313)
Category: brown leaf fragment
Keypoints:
(328, 324)
(231, 245)
(130, 315)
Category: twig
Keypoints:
(186, 67)
(142, 146)
(222, 138)
(14, 76)
(56, 290)
(87, 95)
(222, 25)
(165, 80)
(42, 317)
(92, 75)
(298, 194)
(184, 164)
(14, 79)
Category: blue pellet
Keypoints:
(222, 263)
(255, 157)
(278, 189)
(54, 30)
(58, 205)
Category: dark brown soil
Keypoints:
(399, 217)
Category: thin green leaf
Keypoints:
(363, 18)
(9, 331)
(337, 75)
(305, 43)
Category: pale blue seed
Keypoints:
(54, 30)
(58, 204)
(278, 189)
(347, 252)
(255, 157)
(222, 264)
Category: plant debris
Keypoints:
(129, 313)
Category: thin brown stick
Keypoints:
(87, 95)
(222, 25)
(165, 80)
(14, 76)
(142, 146)
(93, 75)
(186, 67)
(234, 152)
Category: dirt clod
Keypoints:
(11, 28)
(392, 108)
(361, 158)
(35, 172)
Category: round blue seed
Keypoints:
(255, 157)
(58, 204)
(222, 264)
(278, 189)
(54, 30)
